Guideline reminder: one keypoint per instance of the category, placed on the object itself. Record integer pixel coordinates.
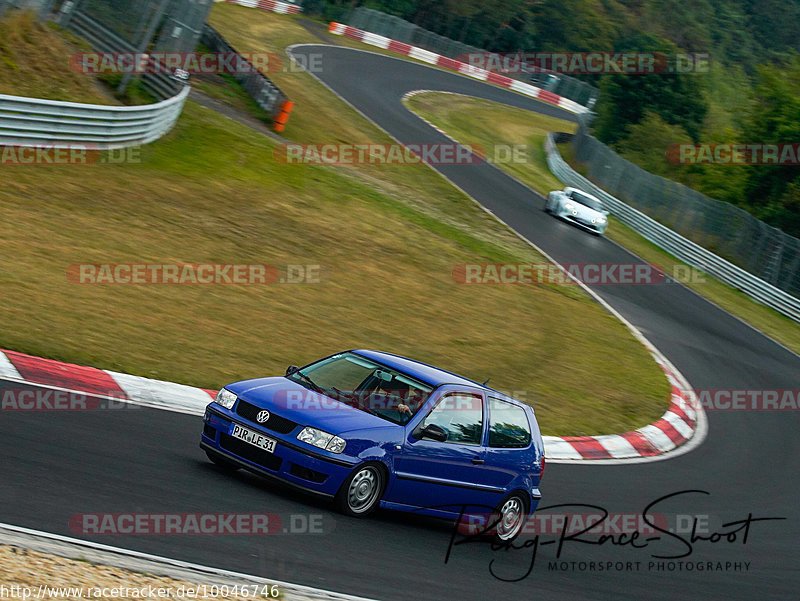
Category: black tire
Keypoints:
(509, 518)
(361, 492)
(222, 462)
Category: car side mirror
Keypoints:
(434, 432)
(291, 369)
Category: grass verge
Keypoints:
(388, 238)
(35, 62)
(457, 116)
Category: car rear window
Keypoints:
(508, 425)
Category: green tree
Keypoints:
(625, 99)
(772, 190)
(647, 144)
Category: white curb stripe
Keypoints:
(524, 88)
(160, 393)
(677, 422)
(617, 446)
(657, 438)
(376, 40)
(276, 6)
(7, 369)
(423, 55)
(556, 447)
(474, 72)
(691, 414)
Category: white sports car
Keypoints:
(577, 207)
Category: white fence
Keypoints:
(37, 122)
(684, 249)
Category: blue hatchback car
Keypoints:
(373, 429)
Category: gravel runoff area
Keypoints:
(36, 565)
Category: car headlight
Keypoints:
(601, 219)
(321, 440)
(225, 398)
(569, 206)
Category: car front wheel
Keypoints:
(362, 490)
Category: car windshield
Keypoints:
(366, 385)
(586, 200)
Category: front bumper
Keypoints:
(581, 222)
(290, 462)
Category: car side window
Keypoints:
(508, 425)
(461, 416)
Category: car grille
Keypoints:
(247, 451)
(209, 431)
(276, 423)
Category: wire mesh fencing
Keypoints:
(724, 229)
(154, 26)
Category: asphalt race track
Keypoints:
(55, 465)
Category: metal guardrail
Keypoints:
(684, 249)
(37, 122)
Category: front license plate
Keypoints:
(254, 438)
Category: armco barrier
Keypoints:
(425, 56)
(682, 248)
(37, 122)
(271, 5)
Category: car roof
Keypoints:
(571, 189)
(421, 371)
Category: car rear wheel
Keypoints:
(509, 518)
(220, 461)
(362, 491)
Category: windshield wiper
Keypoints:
(341, 393)
(310, 382)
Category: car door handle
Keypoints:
(477, 461)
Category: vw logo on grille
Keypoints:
(262, 416)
